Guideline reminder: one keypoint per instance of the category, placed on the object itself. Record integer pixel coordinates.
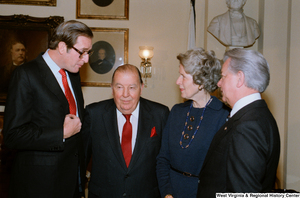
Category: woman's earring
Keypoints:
(200, 88)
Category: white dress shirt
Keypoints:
(134, 122)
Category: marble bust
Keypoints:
(234, 28)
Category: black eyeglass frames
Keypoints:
(83, 53)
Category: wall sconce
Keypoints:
(146, 53)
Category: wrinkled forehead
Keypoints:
(225, 67)
(126, 77)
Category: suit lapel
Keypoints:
(223, 131)
(53, 86)
(50, 80)
(226, 128)
(113, 132)
(143, 132)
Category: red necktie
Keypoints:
(68, 93)
(126, 140)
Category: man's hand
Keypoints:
(72, 125)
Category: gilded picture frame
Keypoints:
(30, 2)
(112, 45)
(32, 32)
(103, 9)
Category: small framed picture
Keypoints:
(103, 9)
(30, 2)
(110, 46)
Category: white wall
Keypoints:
(163, 25)
(293, 124)
(274, 48)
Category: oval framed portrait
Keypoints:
(103, 58)
(110, 46)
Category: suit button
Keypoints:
(126, 176)
(76, 154)
(124, 194)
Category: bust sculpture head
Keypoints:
(235, 4)
(234, 28)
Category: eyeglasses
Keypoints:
(83, 53)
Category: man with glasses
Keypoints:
(43, 116)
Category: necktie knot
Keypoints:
(127, 116)
(63, 72)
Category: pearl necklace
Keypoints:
(187, 117)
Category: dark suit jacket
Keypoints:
(110, 176)
(35, 110)
(243, 155)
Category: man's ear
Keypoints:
(241, 79)
(62, 47)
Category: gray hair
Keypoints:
(203, 66)
(254, 66)
(127, 68)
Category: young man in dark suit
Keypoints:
(244, 153)
(43, 116)
(122, 165)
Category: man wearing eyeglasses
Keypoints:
(43, 116)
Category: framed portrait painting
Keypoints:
(30, 2)
(110, 46)
(22, 39)
(103, 9)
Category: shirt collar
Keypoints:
(51, 64)
(244, 101)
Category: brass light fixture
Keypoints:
(146, 53)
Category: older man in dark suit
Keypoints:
(244, 153)
(123, 135)
(43, 117)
